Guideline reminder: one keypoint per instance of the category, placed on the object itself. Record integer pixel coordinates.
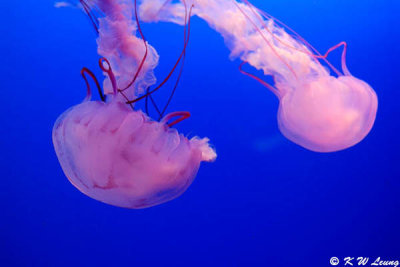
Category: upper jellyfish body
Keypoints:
(132, 59)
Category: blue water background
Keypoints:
(264, 202)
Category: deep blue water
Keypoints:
(264, 202)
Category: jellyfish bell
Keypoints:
(327, 114)
(122, 157)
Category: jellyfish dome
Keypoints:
(320, 110)
(124, 158)
(108, 149)
(327, 114)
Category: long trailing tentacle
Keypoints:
(146, 102)
(145, 54)
(172, 70)
(265, 39)
(185, 36)
(259, 14)
(270, 87)
(155, 105)
(256, 11)
(276, 91)
(91, 16)
(162, 113)
(106, 67)
(88, 10)
(153, 102)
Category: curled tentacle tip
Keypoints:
(104, 64)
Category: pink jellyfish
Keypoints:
(108, 150)
(318, 111)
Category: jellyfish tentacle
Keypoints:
(186, 29)
(264, 83)
(172, 70)
(90, 14)
(183, 115)
(344, 64)
(264, 14)
(265, 39)
(107, 69)
(153, 102)
(155, 105)
(146, 102)
(316, 54)
(85, 71)
(344, 53)
(89, 91)
(145, 54)
(279, 94)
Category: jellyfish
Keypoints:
(321, 108)
(108, 149)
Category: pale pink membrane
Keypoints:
(117, 155)
(318, 111)
(123, 158)
(120, 43)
